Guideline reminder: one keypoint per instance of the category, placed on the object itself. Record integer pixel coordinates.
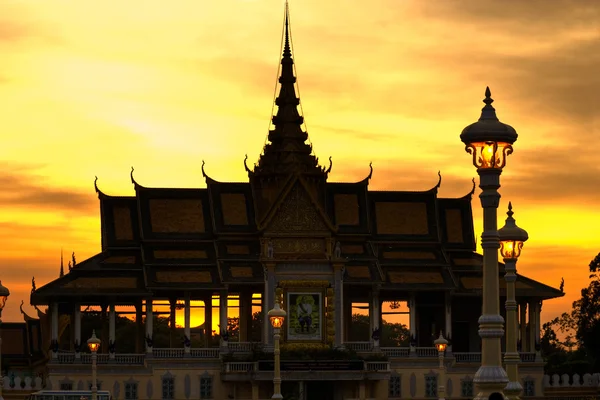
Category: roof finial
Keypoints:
(62, 266)
(488, 112)
(287, 52)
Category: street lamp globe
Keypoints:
(93, 342)
(488, 140)
(4, 293)
(441, 343)
(511, 237)
(277, 316)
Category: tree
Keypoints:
(582, 325)
(392, 334)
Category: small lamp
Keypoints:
(489, 140)
(93, 342)
(277, 316)
(511, 237)
(441, 343)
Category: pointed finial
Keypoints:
(437, 186)
(510, 211)
(62, 266)
(287, 52)
(203, 173)
(488, 112)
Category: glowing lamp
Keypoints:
(277, 316)
(93, 342)
(511, 237)
(4, 293)
(440, 343)
(488, 140)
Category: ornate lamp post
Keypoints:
(93, 344)
(441, 344)
(490, 142)
(511, 243)
(277, 316)
(4, 293)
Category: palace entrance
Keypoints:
(320, 390)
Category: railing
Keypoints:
(426, 351)
(564, 380)
(396, 352)
(19, 383)
(205, 353)
(168, 353)
(377, 366)
(359, 346)
(242, 347)
(240, 367)
(476, 357)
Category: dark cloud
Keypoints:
(23, 187)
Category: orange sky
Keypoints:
(92, 88)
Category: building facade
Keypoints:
(288, 235)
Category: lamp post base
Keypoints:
(512, 390)
(490, 380)
(277, 396)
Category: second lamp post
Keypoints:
(93, 344)
(511, 243)
(277, 316)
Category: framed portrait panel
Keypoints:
(305, 319)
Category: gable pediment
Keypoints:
(298, 213)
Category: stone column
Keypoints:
(268, 302)
(172, 322)
(149, 325)
(77, 314)
(538, 327)
(347, 317)
(111, 329)
(338, 271)
(186, 329)
(301, 391)
(412, 304)
(208, 321)
(448, 320)
(523, 326)
(54, 322)
(223, 294)
(374, 317)
(362, 390)
(531, 327)
(255, 392)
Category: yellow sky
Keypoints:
(92, 88)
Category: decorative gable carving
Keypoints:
(297, 213)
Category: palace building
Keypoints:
(288, 234)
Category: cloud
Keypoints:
(22, 187)
(17, 25)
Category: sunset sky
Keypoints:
(94, 87)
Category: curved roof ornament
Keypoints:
(246, 165)
(206, 177)
(371, 171)
(470, 194)
(439, 180)
(131, 176)
(203, 173)
(330, 165)
(25, 316)
(100, 192)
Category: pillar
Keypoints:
(104, 336)
(223, 315)
(208, 321)
(538, 327)
(268, 302)
(186, 329)
(412, 304)
(362, 390)
(139, 327)
(374, 317)
(531, 326)
(54, 316)
(347, 317)
(111, 329)
(77, 315)
(172, 322)
(301, 391)
(245, 315)
(255, 391)
(523, 326)
(149, 325)
(338, 270)
(448, 319)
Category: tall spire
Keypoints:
(287, 151)
(62, 266)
